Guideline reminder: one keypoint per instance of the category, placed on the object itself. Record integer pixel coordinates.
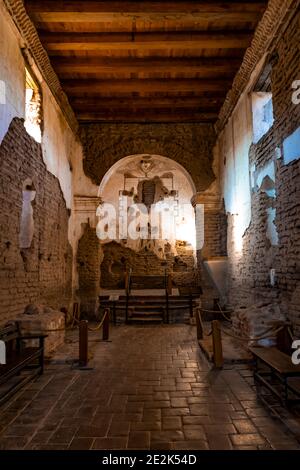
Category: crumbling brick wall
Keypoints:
(250, 270)
(215, 234)
(41, 273)
(117, 259)
(188, 144)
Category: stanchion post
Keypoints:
(216, 308)
(199, 325)
(169, 284)
(83, 343)
(217, 344)
(105, 333)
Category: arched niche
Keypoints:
(169, 183)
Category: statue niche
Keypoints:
(151, 191)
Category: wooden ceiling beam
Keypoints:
(175, 6)
(97, 11)
(104, 65)
(144, 41)
(77, 87)
(89, 104)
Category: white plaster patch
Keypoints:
(2, 92)
(291, 147)
(264, 175)
(262, 114)
(271, 227)
(12, 75)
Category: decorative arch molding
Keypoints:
(136, 158)
(190, 145)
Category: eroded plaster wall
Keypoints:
(189, 144)
(12, 75)
(51, 166)
(38, 271)
(261, 190)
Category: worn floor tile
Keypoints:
(148, 388)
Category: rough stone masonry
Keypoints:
(42, 272)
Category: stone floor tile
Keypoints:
(226, 428)
(247, 439)
(146, 426)
(219, 442)
(171, 422)
(194, 432)
(166, 398)
(110, 443)
(139, 440)
(63, 435)
(92, 431)
(190, 445)
(119, 428)
(244, 426)
(81, 443)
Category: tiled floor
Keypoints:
(149, 388)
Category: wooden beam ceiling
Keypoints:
(146, 61)
(137, 8)
(102, 65)
(78, 87)
(127, 102)
(143, 41)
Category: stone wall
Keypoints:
(42, 272)
(188, 144)
(250, 265)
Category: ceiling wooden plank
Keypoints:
(144, 41)
(75, 87)
(140, 8)
(75, 17)
(104, 65)
(145, 6)
(155, 102)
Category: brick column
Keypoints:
(214, 224)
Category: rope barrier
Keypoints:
(223, 313)
(291, 334)
(272, 331)
(204, 310)
(98, 327)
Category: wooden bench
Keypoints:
(23, 363)
(271, 364)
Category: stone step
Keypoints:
(147, 319)
(146, 313)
